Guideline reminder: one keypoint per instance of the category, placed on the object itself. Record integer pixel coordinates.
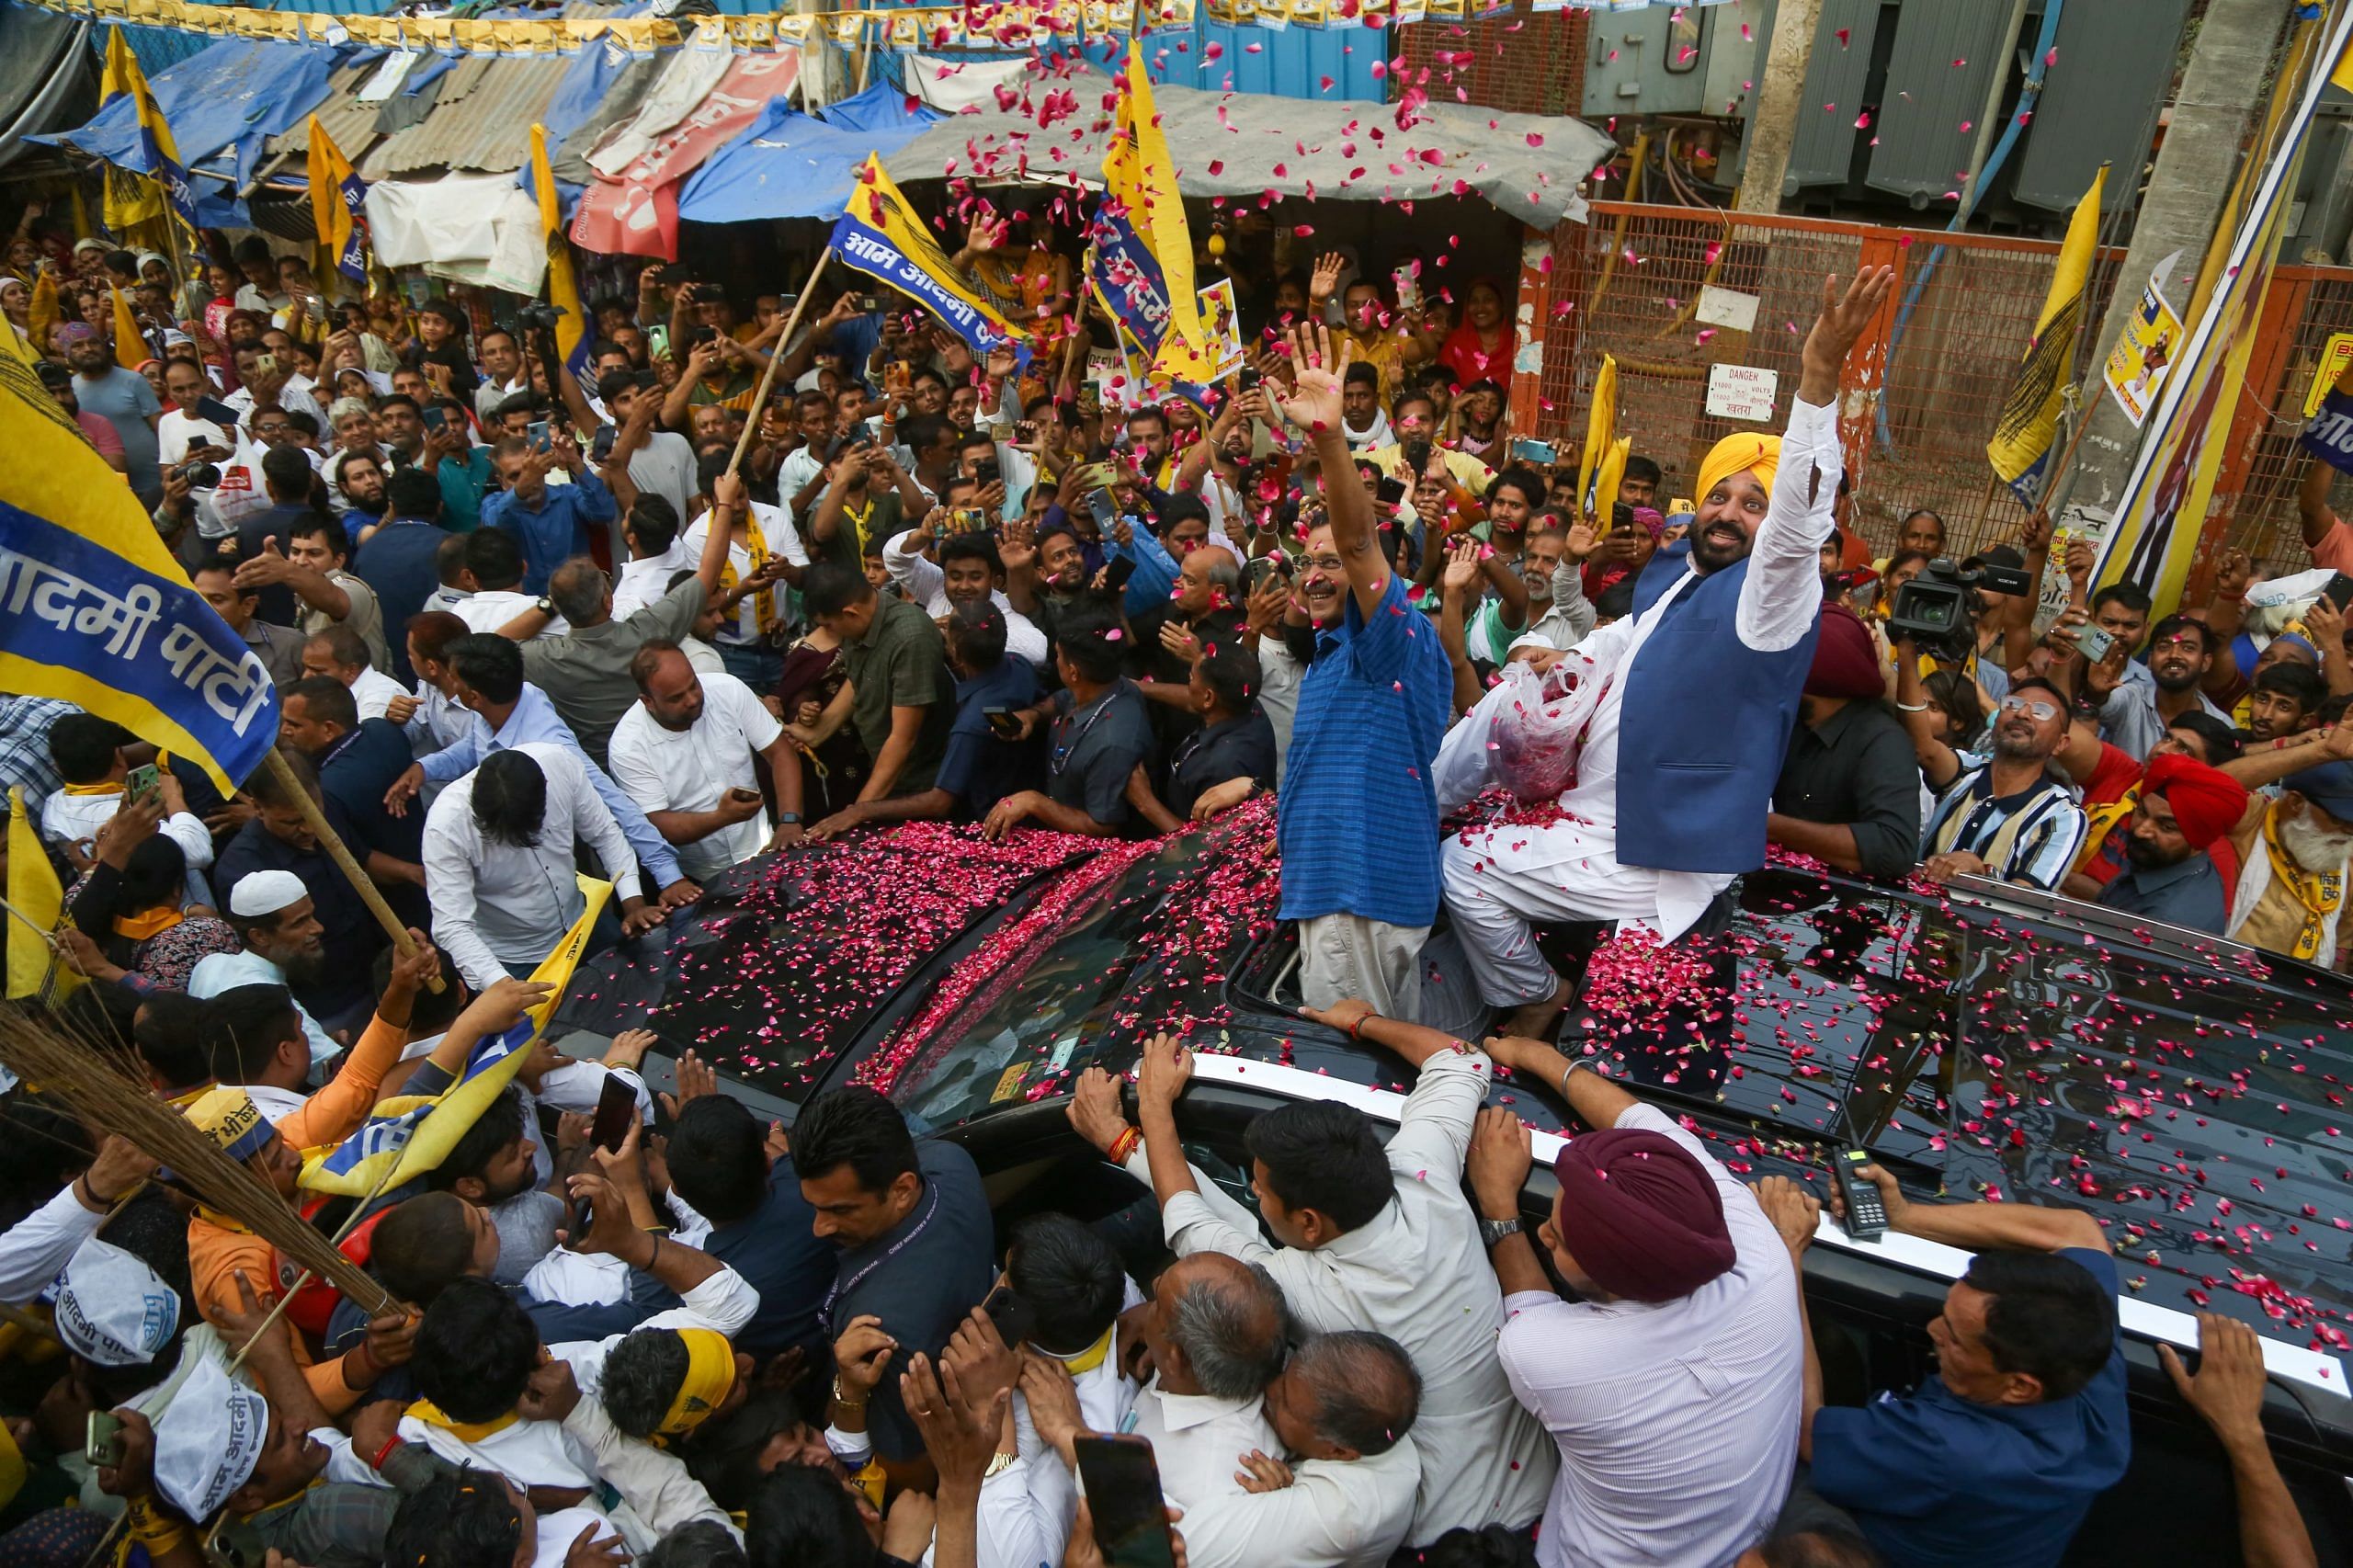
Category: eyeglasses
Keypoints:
(2037, 710)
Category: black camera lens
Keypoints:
(201, 475)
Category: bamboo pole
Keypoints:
(775, 356)
(330, 841)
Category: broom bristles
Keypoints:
(101, 1081)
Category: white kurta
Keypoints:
(1499, 878)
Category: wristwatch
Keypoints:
(545, 606)
(1493, 1231)
(792, 817)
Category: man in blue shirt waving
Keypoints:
(1997, 1455)
(550, 522)
(1357, 818)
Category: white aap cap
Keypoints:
(114, 1310)
(208, 1437)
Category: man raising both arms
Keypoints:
(1701, 685)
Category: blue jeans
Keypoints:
(755, 665)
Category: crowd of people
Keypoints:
(527, 617)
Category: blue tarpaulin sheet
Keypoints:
(236, 92)
(791, 164)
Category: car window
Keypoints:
(1043, 1026)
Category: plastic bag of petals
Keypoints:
(1539, 725)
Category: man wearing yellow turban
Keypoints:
(1700, 687)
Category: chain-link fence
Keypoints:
(1674, 293)
(1527, 62)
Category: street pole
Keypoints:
(1765, 157)
(2222, 94)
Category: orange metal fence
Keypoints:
(1640, 282)
(1665, 290)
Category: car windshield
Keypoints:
(1045, 1023)
(1134, 941)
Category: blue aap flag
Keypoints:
(2330, 435)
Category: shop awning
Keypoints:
(230, 98)
(791, 164)
(1246, 144)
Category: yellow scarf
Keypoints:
(858, 521)
(2319, 892)
(432, 1415)
(763, 602)
(139, 927)
(711, 1374)
(1093, 1356)
(114, 788)
(2102, 821)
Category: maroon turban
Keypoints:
(1640, 1215)
(1846, 660)
(2206, 801)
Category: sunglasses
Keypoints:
(2036, 709)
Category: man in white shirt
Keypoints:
(1345, 1407)
(88, 752)
(274, 916)
(967, 572)
(495, 562)
(657, 553)
(1673, 1385)
(684, 753)
(499, 861)
(1372, 1239)
(338, 652)
(182, 431)
(1711, 701)
(770, 553)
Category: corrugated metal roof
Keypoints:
(481, 122)
(350, 123)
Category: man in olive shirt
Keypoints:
(900, 696)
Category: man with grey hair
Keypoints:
(1343, 1408)
(1214, 1326)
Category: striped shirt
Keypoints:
(2032, 836)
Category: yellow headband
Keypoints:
(710, 1373)
(1734, 454)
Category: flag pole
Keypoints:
(767, 377)
(332, 842)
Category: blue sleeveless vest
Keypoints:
(1705, 723)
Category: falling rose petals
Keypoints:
(1217, 166)
(1536, 139)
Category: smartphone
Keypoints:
(988, 472)
(1116, 575)
(1528, 448)
(216, 411)
(1123, 1494)
(1866, 1215)
(1003, 723)
(537, 433)
(1090, 400)
(2092, 642)
(102, 1440)
(1002, 429)
(2338, 591)
(1409, 287)
(1262, 567)
(1013, 1319)
(967, 520)
(869, 303)
(435, 418)
(140, 783)
(1250, 378)
(615, 1108)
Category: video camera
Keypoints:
(1938, 608)
(538, 318)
